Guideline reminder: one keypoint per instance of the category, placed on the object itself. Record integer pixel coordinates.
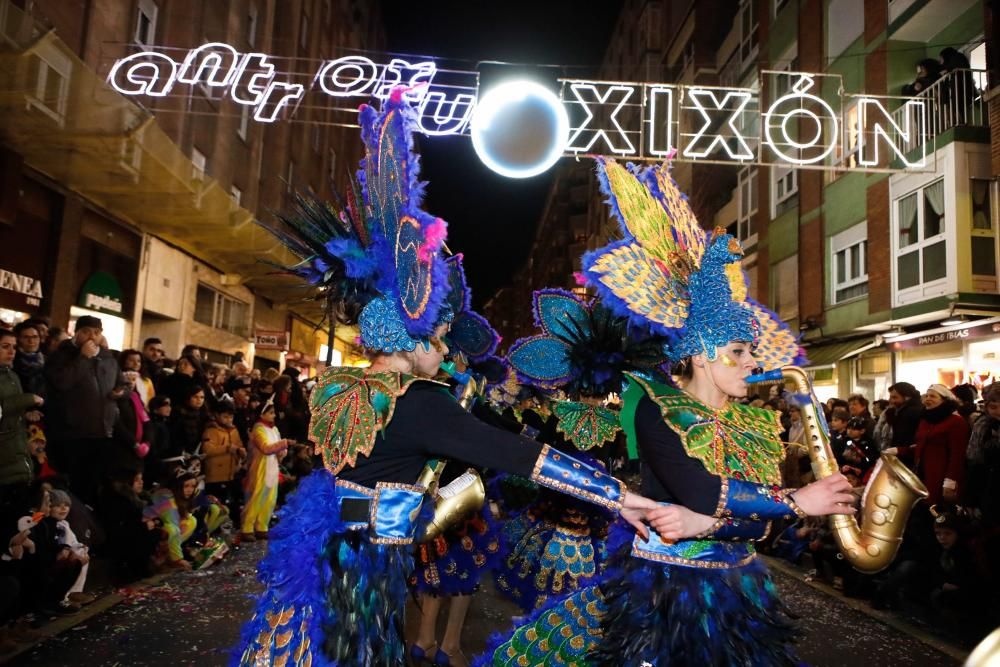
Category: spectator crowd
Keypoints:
(947, 571)
(143, 462)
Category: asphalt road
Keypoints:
(194, 619)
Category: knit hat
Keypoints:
(943, 392)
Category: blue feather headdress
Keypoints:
(470, 333)
(377, 252)
(670, 277)
(583, 348)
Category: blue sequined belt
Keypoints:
(392, 510)
(694, 553)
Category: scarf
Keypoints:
(940, 413)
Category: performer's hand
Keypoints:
(831, 495)
(634, 509)
(676, 522)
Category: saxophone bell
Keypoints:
(892, 491)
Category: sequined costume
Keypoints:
(339, 557)
(706, 600)
(555, 546)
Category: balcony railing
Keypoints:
(954, 100)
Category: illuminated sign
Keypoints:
(800, 121)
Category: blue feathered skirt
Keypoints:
(332, 598)
(550, 550)
(454, 563)
(648, 613)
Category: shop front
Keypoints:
(101, 296)
(966, 353)
(25, 276)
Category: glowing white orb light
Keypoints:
(519, 129)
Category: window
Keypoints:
(785, 288)
(220, 311)
(920, 239)
(244, 125)
(145, 23)
(199, 164)
(977, 61)
(784, 188)
(983, 236)
(849, 252)
(845, 22)
(252, 25)
(746, 229)
(51, 70)
(748, 31)
(845, 153)
(236, 194)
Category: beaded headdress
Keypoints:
(375, 251)
(672, 278)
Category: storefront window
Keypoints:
(114, 327)
(983, 236)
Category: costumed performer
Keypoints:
(557, 544)
(339, 557)
(451, 564)
(261, 493)
(706, 600)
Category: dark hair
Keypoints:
(152, 341)
(684, 369)
(189, 391)
(125, 354)
(840, 404)
(158, 402)
(224, 408)
(881, 404)
(841, 414)
(189, 349)
(857, 423)
(7, 332)
(965, 393)
(184, 505)
(858, 398)
(38, 319)
(905, 389)
(991, 394)
(27, 324)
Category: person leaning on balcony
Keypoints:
(955, 66)
(928, 71)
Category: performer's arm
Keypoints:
(692, 485)
(452, 432)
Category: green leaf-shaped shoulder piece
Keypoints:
(586, 426)
(350, 407)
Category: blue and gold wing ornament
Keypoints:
(350, 407)
(470, 333)
(407, 241)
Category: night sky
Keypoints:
(491, 219)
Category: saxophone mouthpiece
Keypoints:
(760, 376)
(452, 371)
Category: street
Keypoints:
(194, 619)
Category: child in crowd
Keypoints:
(132, 537)
(838, 433)
(59, 506)
(158, 436)
(51, 570)
(223, 454)
(266, 444)
(859, 453)
(172, 505)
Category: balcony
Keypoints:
(954, 101)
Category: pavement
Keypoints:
(193, 618)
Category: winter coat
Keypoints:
(219, 448)
(905, 423)
(939, 453)
(30, 369)
(15, 462)
(79, 401)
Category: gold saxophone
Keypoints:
(890, 495)
(464, 495)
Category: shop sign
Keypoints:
(979, 331)
(30, 287)
(102, 293)
(270, 340)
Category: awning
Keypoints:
(69, 124)
(823, 356)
